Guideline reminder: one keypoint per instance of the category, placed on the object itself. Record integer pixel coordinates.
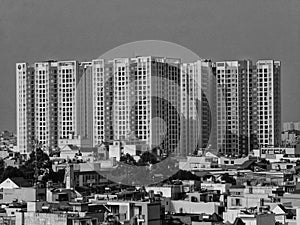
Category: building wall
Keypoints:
(190, 126)
(156, 100)
(103, 96)
(30, 218)
(53, 102)
(230, 215)
(223, 188)
(84, 99)
(45, 104)
(260, 219)
(268, 102)
(21, 83)
(233, 107)
(20, 194)
(194, 207)
(152, 214)
(8, 184)
(67, 112)
(197, 84)
(287, 126)
(165, 104)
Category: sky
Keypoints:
(36, 30)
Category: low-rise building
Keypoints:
(18, 189)
(249, 196)
(167, 191)
(249, 217)
(275, 154)
(184, 206)
(192, 163)
(222, 188)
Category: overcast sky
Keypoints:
(35, 30)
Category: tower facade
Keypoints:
(233, 106)
(197, 106)
(25, 101)
(52, 103)
(146, 101)
(268, 102)
(233, 130)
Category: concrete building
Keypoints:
(25, 103)
(18, 189)
(297, 126)
(290, 138)
(248, 217)
(233, 104)
(103, 98)
(275, 154)
(145, 88)
(221, 188)
(128, 93)
(46, 105)
(197, 84)
(198, 163)
(74, 101)
(179, 107)
(248, 105)
(287, 126)
(241, 197)
(167, 191)
(183, 206)
(52, 103)
(268, 103)
(86, 174)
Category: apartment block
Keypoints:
(233, 106)
(268, 103)
(248, 105)
(197, 106)
(52, 103)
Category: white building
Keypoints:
(268, 103)
(249, 218)
(22, 104)
(52, 103)
(196, 106)
(233, 125)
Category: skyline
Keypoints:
(221, 37)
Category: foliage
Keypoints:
(38, 158)
(128, 159)
(184, 175)
(11, 172)
(147, 158)
(228, 179)
(38, 163)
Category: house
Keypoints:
(15, 182)
(249, 196)
(249, 217)
(20, 189)
(280, 214)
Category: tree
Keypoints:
(128, 159)
(2, 165)
(228, 179)
(10, 172)
(184, 175)
(148, 157)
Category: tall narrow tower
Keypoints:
(268, 102)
